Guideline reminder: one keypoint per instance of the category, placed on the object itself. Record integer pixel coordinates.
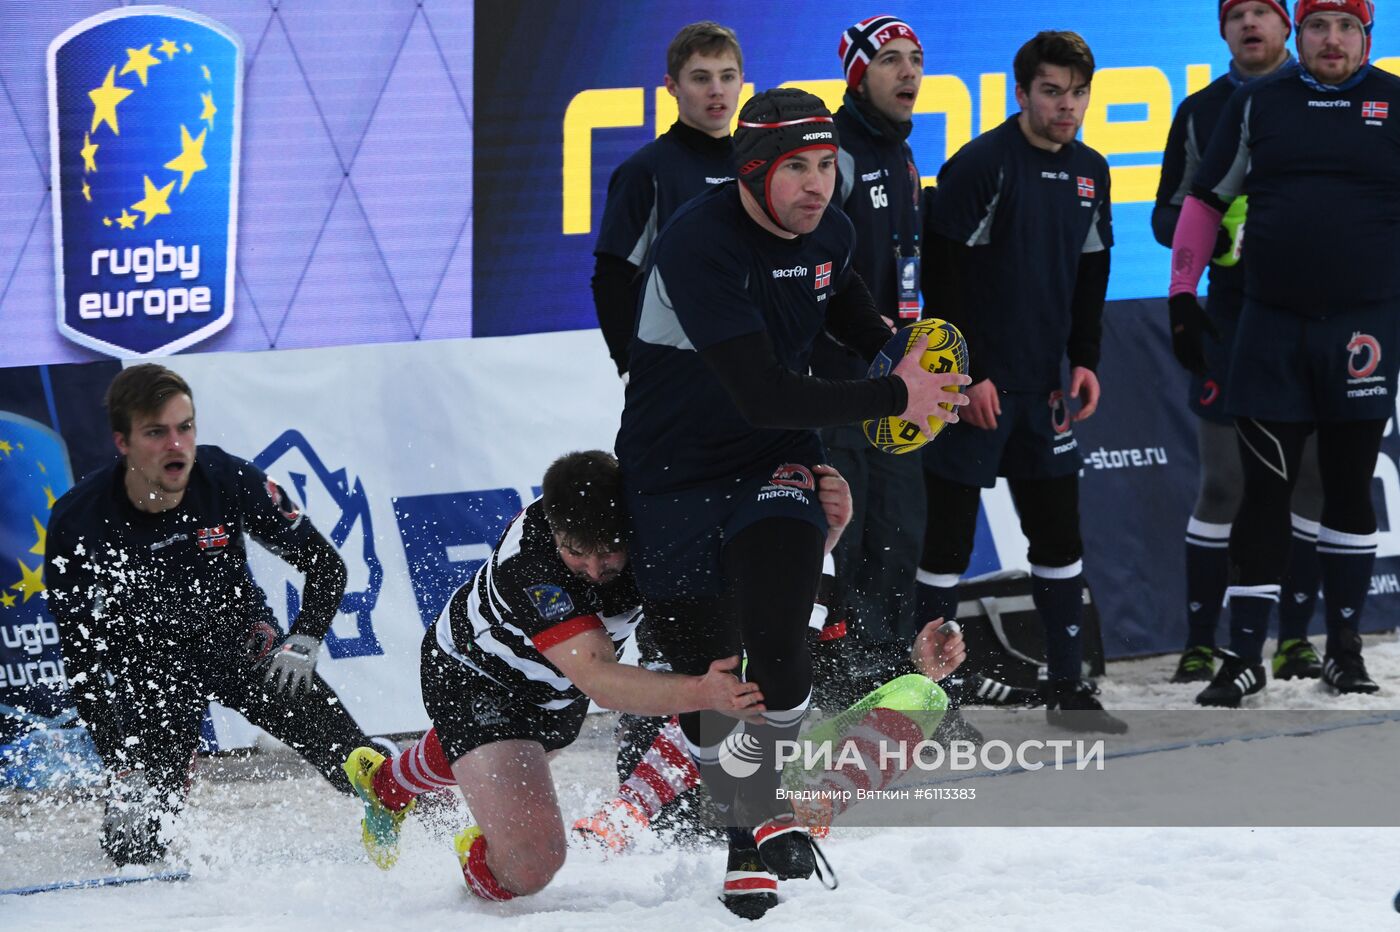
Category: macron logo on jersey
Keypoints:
(823, 275)
(797, 271)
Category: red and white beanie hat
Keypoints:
(861, 42)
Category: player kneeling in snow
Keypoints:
(507, 673)
(146, 565)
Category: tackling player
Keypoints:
(508, 670)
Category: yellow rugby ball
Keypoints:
(947, 352)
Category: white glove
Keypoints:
(292, 662)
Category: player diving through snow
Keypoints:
(511, 663)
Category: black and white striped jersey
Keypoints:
(523, 601)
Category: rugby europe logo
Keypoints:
(145, 115)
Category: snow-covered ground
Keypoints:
(268, 845)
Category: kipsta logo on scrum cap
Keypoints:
(145, 114)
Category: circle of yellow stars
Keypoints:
(108, 96)
(31, 581)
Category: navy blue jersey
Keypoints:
(174, 583)
(1322, 172)
(523, 601)
(716, 275)
(877, 186)
(1028, 215)
(662, 175)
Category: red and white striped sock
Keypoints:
(879, 728)
(422, 768)
(479, 878)
(665, 772)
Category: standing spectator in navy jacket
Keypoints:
(1018, 240)
(704, 72)
(877, 186)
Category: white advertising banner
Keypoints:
(410, 457)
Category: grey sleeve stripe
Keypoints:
(846, 165)
(1232, 185)
(983, 234)
(1193, 162)
(638, 254)
(1093, 242)
(658, 323)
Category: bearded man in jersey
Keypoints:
(1256, 32)
(507, 671)
(1317, 347)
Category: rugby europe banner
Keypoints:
(34, 472)
(143, 266)
(236, 176)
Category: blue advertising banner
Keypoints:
(1138, 487)
(34, 472)
(145, 107)
(565, 92)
